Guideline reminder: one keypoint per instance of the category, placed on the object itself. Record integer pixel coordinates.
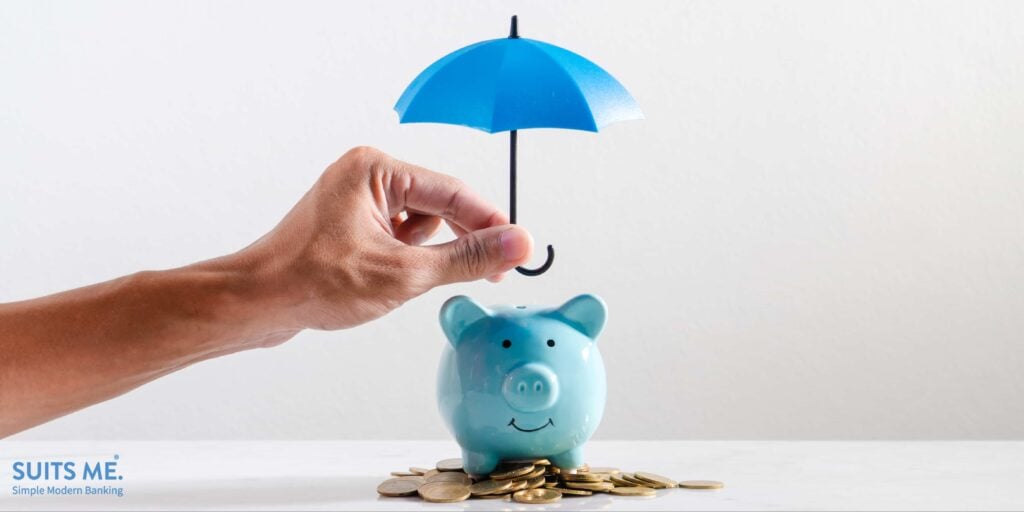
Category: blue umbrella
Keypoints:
(513, 83)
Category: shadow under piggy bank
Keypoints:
(521, 382)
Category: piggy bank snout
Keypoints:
(531, 387)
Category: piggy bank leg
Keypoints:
(569, 460)
(478, 463)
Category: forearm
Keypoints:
(66, 351)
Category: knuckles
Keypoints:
(353, 166)
(361, 155)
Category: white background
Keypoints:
(816, 232)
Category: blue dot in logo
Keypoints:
(119, 477)
(116, 456)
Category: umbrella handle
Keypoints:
(541, 269)
(512, 139)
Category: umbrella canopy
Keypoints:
(514, 83)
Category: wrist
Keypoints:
(239, 301)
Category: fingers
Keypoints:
(487, 245)
(459, 232)
(397, 220)
(455, 228)
(417, 229)
(420, 190)
(432, 193)
(480, 254)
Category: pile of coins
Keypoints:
(526, 482)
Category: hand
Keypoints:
(351, 250)
(342, 256)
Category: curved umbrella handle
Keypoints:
(512, 139)
(541, 269)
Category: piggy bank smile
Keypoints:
(512, 423)
(508, 371)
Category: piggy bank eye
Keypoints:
(506, 343)
(551, 343)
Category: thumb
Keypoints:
(482, 253)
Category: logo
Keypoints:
(67, 478)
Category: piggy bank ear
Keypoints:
(586, 313)
(457, 314)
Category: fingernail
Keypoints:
(514, 244)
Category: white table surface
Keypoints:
(343, 475)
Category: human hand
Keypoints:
(342, 256)
(351, 250)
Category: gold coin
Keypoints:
(591, 486)
(633, 491)
(418, 471)
(490, 487)
(517, 485)
(621, 482)
(701, 484)
(430, 472)
(397, 487)
(574, 492)
(537, 471)
(581, 477)
(542, 462)
(511, 470)
(584, 467)
(451, 476)
(537, 496)
(550, 485)
(507, 497)
(404, 473)
(418, 479)
(535, 482)
(630, 478)
(444, 492)
(656, 481)
(449, 465)
(611, 471)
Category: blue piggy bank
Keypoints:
(521, 382)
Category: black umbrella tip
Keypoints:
(514, 31)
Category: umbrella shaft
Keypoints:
(512, 176)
